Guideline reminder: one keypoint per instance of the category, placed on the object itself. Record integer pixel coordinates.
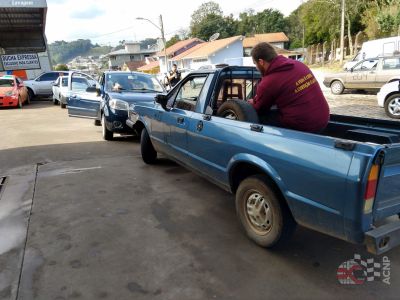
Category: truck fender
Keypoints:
(250, 165)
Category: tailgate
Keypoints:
(387, 199)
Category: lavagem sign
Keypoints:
(20, 61)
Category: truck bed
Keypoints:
(363, 129)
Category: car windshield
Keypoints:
(6, 83)
(132, 82)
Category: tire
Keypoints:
(62, 105)
(107, 134)
(31, 94)
(271, 227)
(97, 123)
(392, 106)
(238, 110)
(337, 87)
(55, 101)
(149, 154)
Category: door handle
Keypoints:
(180, 120)
(200, 126)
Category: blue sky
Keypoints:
(97, 19)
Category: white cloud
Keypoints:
(74, 19)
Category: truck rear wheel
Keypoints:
(265, 217)
(238, 110)
(149, 154)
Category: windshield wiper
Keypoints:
(145, 89)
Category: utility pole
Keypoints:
(342, 34)
(164, 42)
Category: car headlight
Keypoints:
(9, 93)
(119, 104)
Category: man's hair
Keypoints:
(263, 51)
(174, 65)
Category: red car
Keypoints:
(13, 92)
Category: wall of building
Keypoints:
(234, 50)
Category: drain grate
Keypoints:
(3, 181)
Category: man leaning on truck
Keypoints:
(292, 88)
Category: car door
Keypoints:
(184, 104)
(45, 82)
(390, 69)
(83, 99)
(56, 88)
(362, 75)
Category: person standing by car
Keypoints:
(292, 88)
(174, 76)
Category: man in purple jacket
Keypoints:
(292, 88)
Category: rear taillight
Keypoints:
(370, 191)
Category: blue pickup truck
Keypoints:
(343, 182)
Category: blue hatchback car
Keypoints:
(108, 103)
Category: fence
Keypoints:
(329, 52)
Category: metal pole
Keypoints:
(342, 34)
(164, 42)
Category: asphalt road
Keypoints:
(81, 218)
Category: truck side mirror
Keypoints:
(162, 100)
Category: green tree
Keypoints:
(247, 23)
(270, 20)
(209, 11)
(173, 40)
(61, 67)
(212, 23)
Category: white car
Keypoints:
(389, 98)
(42, 85)
(60, 88)
(79, 82)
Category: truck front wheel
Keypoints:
(149, 154)
(265, 217)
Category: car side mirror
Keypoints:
(162, 100)
(91, 89)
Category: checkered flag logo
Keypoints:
(371, 268)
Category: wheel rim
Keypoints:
(394, 106)
(258, 212)
(336, 87)
(230, 114)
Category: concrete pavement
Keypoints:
(103, 225)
